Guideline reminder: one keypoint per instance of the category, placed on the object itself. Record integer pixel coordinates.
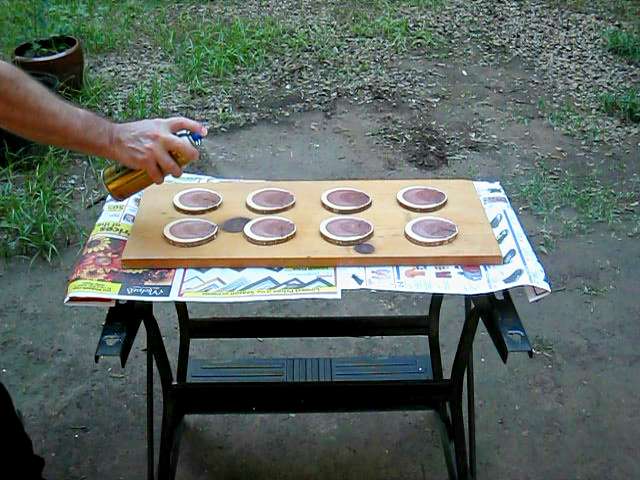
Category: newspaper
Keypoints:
(520, 268)
(99, 279)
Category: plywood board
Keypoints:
(475, 245)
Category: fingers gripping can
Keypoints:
(122, 182)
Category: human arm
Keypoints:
(28, 109)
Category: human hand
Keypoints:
(145, 145)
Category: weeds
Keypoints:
(36, 215)
(97, 94)
(144, 101)
(625, 104)
(624, 43)
(380, 5)
(101, 25)
(575, 203)
(542, 346)
(593, 291)
(394, 30)
(571, 121)
(622, 10)
(206, 50)
(567, 119)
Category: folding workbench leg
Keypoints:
(444, 422)
(185, 342)
(459, 440)
(170, 421)
(150, 449)
(463, 368)
(169, 441)
(471, 402)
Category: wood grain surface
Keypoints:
(475, 245)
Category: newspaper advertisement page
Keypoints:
(520, 267)
(99, 279)
(211, 284)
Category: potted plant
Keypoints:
(58, 55)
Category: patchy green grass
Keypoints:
(567, 119)
(207, 50)
(36, 214)
(625, 104)
(623, 10)
(98, 94)
(101, 25)
(145, 101)
(572, 203)
(388, 5)
(395, 30)
(542, 346)
(571, 121)
(624, 43)
(592, 290)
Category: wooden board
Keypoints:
(476, 244)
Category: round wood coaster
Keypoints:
(197, 200)
(345, 200)
(346, 230)
(421, 199)
(270, 200)
(431, 231)
(269, 230)
(190, 232)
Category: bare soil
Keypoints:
(570, 412)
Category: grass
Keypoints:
(624, 43)
(145, 101)
(542, 345)
(395, 30)
(593, 291)
(621, 10)
(575, 203)
(625, 104)
(387, 5)
(98, 94)
(571, 121)
(207, 50)
(575, 123)
(36, 214)
(102, 25)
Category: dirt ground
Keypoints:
(570, 412)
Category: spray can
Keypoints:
(122, 182)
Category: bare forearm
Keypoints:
(30, 110)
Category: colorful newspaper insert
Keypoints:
(98, 277)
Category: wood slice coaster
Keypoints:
(421, 199)
(346, 230)
(197, 200)
(345, 200)
(270, 200)
(190, 232)
(269, 230)
(431, 231)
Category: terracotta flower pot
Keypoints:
(67, 65)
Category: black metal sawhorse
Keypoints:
(298, 385)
